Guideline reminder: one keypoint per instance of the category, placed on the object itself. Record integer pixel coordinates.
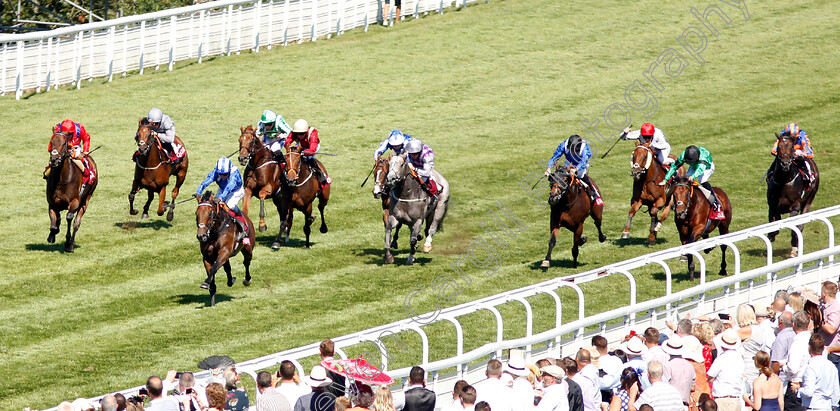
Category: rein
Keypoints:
(149, 143)
(690, 193)
(394, 195)
(300, 161)
(217, 218)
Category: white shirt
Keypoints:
(728, 372)
(164, 404)
(658, 142)
(555, 398)
(656, 353)
(455, 406)
(820, 385)
(293, 391)
(798, 357)
(523, 393)
(587, 378)
(496, 394)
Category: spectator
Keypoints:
(661, 395)
(417, 397)
(820, 389)
(109, 403)
(363, 399)
(65, 406)
(270, 398)
(678, 371)
(456, 397)
(327, 350)
(684, 327)
(764, 318)
(587, 378)
(709, 405)
(727, 373)
(555, 397)
(654, 351)
(383, 400)
(783, 294)
(693, 352)
(342, 403)
(781, 345)
(191, 397)
(797, 360)
(796, 301)
(290, 384)
(627, 392)
(752, 341)
(216, 396)
(704, 334)
(319, 399)
(778, 307)
(493, 390)
(830, 310)
(574, 390)
(467, 398)
(237, 399)
(523, 390)
(121, 402)
(81, 404)
(634, 347)
(608, 363)
(386, 13)
(157, 402)
(767, 387)
(482, 406)
(646, 407)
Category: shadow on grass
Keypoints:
(57, 246)
(153, 224)
(200, 298)
(777, 252)
(636, 241)
(268, 240)
(565, 263)
(377, 256)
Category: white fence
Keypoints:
(721, 294)
(43, 60)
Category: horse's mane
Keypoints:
(680, 179)
(144, 121)
(207, 196)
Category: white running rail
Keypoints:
(47, 59)
(713, 294)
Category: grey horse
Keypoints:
(411, 205)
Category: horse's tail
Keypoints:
(443, 216)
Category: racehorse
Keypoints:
(262, 172)
(63, 190)
(410, 204)
(786, 189)
(570, 205)
(692, 217)
(152, 171)
(382, 190)
(647, 173)
(217, 236)
(299, 189)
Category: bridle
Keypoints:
(399, 180)
(785, 159)
(213, 219)
(380, 184)
(56, 156)
(636, 169)
(297, 169)
(562, 185)
(690, 188)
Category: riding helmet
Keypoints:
(223, 165)
(574, 144)
(67, 126)
(155, 115)
(301, 126)
(692, 155)
(792, 130)
(396, 138)
(414, 146)
(647, 130)
(268, 116)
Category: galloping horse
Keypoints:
(262, 172)
(692, 217)
(786, 190)
(299, 189)
(570, 205)
(217, 236)
(63, 190)
(646, 190)
(382, 190)
(410, 204)
(152, 172)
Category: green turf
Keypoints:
(493, 88)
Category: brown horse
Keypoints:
(262, 172)
(647, 173)
(570, 205)
(217, 236)
(152, 172)
(63, 190)
(299, 189)
(786, 189)
(692, 217)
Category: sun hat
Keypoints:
(674, 345)
(318, 377)
(516, 366)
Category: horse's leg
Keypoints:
(579, 240)
(55, 221)
(634, 207)
(396, 235)
(77, 222)
(415, 230)
(146, 206)
(180, 176)
(162, 200)
(230, 278)
(323, 199)
(135, 187)
(723, 228)
(262, 194)
(772, 216)
(554, 228)
(289, 220)
(246, 200)
(392, 222)
(597, 213)
(794, 238)
(69, 237)
(431, 228)
(307, 226)
(281, 211)
(262, 225)
(654, 224)
(247, 254)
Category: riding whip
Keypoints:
(172, 205)
(611, 147)
(97, 148)
(368, 176)
(229, 155)
(328, 154)
(538, 181)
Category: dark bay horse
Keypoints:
(692, 217)
(152, 172)
(786, 188)
(217, 236)
(299, 189)
(570, 205)
(262, 172)
(647, 173)
(410, 204)
(63, 190)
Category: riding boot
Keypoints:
(169, 150)
(594, 196)
(807, 176)
(47, 170)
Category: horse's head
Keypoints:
(561, 180)
(682, 189)
(396, 170)
(205, 216)
(640, 161)
(144, 136)
(379, 174)
(292, 163)
(59, 148)
(247, 144)
(785, 150)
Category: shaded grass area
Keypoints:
(492, 88)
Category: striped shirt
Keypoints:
(662, 397)
(272, 400)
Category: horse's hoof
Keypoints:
(204, 285)
(722, 271)
(308, 247)
(794, 252)
(144, 216)
(683, 258)
(708, 250)
(246, 282)
(170, 216)
(263, 228)
(51, 238)
(323, 229)
(68, 248)
(231, 282)
(545, 264)
(409, 262)
(427, 248)
(652, 240)
(625, 235)
(582, 241)
(276, 245)
(394, 245)
(602, 238)
(133, 212)
(389, 259)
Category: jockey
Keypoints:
(273, 130)
(396, 141)
(577, 153)
(654, 136)
(802, 150)
(421, 160)
(701, 167)
(227, 176)
(307, 137)
(79, 146)
(164, 127)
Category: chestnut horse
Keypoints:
(152, 172)
(692, 217)
(786, 189)
(647, 173)
(570, 205)
(217, 236)
(299, 189)
(262, 172)
(63, 190)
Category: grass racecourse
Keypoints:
(492, 88)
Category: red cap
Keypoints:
(67, 126)
(647, 129)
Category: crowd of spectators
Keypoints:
(780, 357)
